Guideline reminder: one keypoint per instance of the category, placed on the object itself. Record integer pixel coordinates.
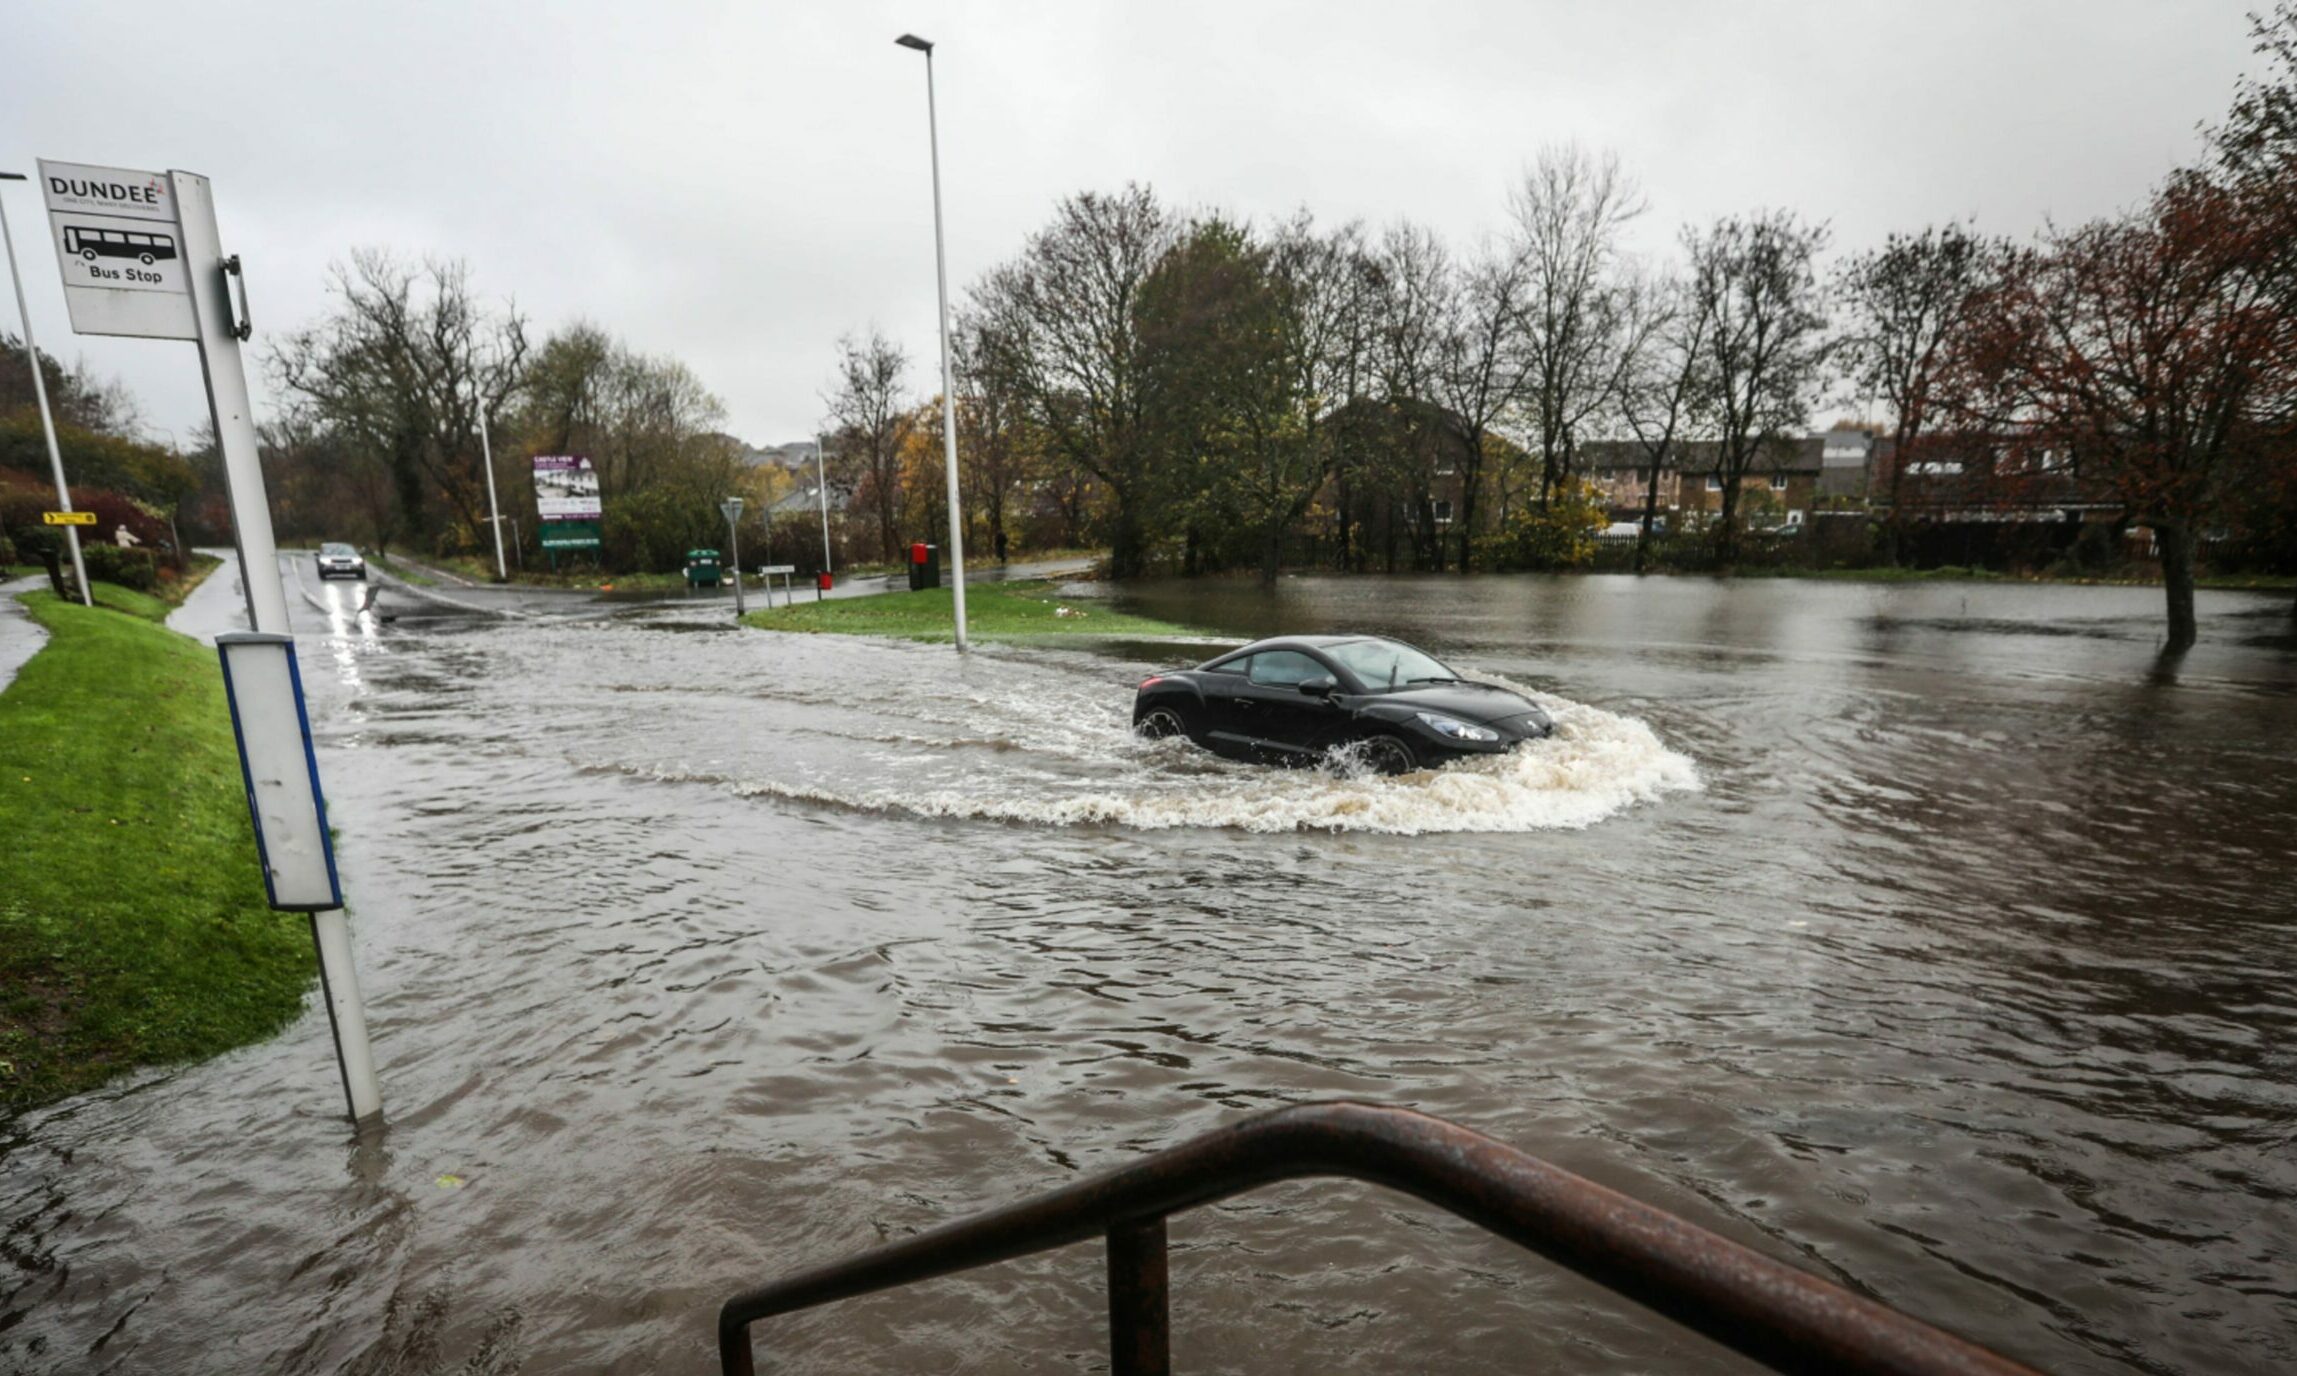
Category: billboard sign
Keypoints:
(565, 488)
(557, 535)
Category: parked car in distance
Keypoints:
(1300, 699)
(338, 560)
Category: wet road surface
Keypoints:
(1931, 938)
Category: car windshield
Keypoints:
(338, 550)
(1385, 664)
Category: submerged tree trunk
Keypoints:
(2176, 544)
(1128, 545)
(1650, 513)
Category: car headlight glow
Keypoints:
(1456, 729)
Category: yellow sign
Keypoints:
(68, 518)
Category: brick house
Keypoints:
(1780, 488)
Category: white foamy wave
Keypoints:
(1596, 764)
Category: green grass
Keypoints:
(995, 611)
(133, 926)
(406, 573)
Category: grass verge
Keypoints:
(133, 926)
(993, 611)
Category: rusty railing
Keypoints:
(1784, 1318)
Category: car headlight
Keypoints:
(1455, 729)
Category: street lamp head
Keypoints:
(910, 40)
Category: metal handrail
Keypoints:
(1784, 1318)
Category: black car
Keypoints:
(1299, 698)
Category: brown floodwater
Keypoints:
(1935, 938)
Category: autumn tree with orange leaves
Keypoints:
(2153, 350)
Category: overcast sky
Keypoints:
(738, 184)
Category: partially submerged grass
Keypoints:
(133, 924)
(993, 611)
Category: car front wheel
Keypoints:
(1389, 755)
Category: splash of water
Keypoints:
(1597, 763)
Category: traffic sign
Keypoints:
(779, 568)
(67, 518)
(120, 248)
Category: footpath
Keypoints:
(20, 636)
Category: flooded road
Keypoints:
(1931, 938)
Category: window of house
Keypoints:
(1714, 484)
(1443, 513)
(1778, 482)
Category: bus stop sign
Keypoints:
(121, 251)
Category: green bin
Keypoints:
(703, 569)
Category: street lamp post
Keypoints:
(821, 487)
(732, 507)
(948, 391)
(494, 510)
(40, 391)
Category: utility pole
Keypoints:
(40, 390)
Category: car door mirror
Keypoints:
(1322, 686)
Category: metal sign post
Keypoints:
(47, 421)
(141, 256)
(732, 507)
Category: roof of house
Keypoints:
(1799, 455)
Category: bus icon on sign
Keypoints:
(92, 244)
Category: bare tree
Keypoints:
(1065, 315)
(1332, 293)
(1570, 211)
(1480, 368)
(1661, 389)
(869, 408)
(1417, 290)
(402, 369)
(1754, 281)
(1001, 447)
(1909, 304)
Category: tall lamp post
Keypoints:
(821, 487)
(47, 421)
(732, 507)
(494, 509)
(948, 392)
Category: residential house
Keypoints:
(1780, 488)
